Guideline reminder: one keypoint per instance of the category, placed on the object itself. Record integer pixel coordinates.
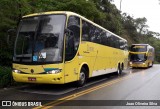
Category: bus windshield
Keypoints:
(138, 48)
(138, 57)
(40, 39)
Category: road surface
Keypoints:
(133, 84)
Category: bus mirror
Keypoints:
(146, 55)
(129, 48)
(10, 34)
(68, 32)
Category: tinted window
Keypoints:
(72, 40)
(94, 34)
(116, 41)
(138, 48)
(122, 44)
(40, 39)
(85, 31)
(104, 39)
(125, 45)
(137, 57)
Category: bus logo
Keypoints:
(32, 71)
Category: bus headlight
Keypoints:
(54, 71)
(16, 71)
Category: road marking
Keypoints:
(78, 94)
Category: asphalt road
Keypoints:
(133, 84)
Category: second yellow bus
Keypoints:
(141, 55)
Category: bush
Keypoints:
(5, 76)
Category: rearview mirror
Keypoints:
(10, 34)
(68, 32)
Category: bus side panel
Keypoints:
(108, 59)
(102, 59)
(71, 70)
(88, 55)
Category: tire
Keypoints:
(152, 64)
(122, 67)
(148, 65)
(82, 78)
(119, 70)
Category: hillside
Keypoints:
(101, 12)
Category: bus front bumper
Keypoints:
(39, 78)
(138, 64)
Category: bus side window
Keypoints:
(104, 40)
(85, 31)
(109, 41)
(117, 45)
(92, 33)
(126, 46)
(73, 39)
(96, 35)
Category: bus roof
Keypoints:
(140, 44)
(70, 13)
(144, 44)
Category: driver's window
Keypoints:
(72, 39)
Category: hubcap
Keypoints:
(82, 77)
(118, 71)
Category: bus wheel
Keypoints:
(152, 64)
(148, 65)
(119, 70)
(82, 78)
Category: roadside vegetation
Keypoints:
(102, 12)
(5, 76)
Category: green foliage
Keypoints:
(113, 18)
(5, 76)
(89, 9)
(141, 25)
(101, 12)
(10, 13)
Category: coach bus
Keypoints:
(141, 55)
(61, 47)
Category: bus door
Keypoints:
(72, 41)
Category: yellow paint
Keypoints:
(150, 57)
(95, 56)
(139, 47)
(76, 95)
(40, 78)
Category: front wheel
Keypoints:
(82, 78)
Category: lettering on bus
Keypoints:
(91, 49)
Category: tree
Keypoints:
(89, 9)
(10, 14)
(141, 26)
(129, 26)
(102, 12)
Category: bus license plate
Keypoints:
(31, 79)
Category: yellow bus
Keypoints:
(141, 55)
(60, 47)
